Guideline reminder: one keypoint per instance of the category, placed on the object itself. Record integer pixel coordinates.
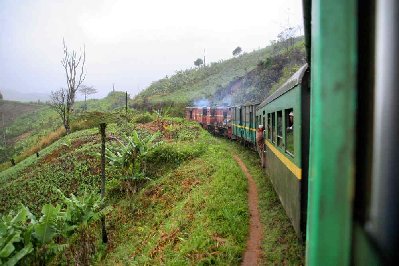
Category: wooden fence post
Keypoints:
(126, 103)
(102, 132)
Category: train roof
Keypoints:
(287, 86)
(215, 107)
(247, 104)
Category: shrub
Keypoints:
(144, 118)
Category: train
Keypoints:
(283, 152)
(331, 133)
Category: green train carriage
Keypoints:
(285, 116)
(243, 123)
(353, 203)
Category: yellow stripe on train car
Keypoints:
(247, 128)
(290, 165)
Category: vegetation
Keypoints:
(29, 240)
(198, 62)
(87, 90)
(35, 126)
(237, 51)
(186, 200)
(130, 157)
(191, 207)
(243, 79)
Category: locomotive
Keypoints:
(332, 132)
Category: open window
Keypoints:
(274, 127)
(289, 131)
(280, 142)
(269, 126)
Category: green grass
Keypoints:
(195, 214)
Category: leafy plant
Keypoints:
(23, 237)
(130, 157)
(14, 237)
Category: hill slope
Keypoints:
(26, 125)
(246, 78)
(192, 210)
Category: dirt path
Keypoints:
(253, 252)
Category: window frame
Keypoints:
(274, 124)
(280, 143)
(286, 118)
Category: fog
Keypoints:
(128, 43)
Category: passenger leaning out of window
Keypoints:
(290, 121)
(260, 143)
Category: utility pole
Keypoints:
(204, 59)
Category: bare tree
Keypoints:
(87, 90)
(58, 100)
(63, 100)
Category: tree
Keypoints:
(286, 37)
(237, 51)
(74, 66)
(87, 90)
(198, 62)
(58, 100)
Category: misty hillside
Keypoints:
(27, 126)
(11, 110)
(243, 79)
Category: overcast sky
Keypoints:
(129, 43)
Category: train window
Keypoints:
(263, 121)
(240, 121)
(250, 120)
(289, 131)
(269, 126)
(274, 127)
(280, 142)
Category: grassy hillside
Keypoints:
(11, 110)
(31, 127)
(16, 126)
(192, 209)
(246, 78)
